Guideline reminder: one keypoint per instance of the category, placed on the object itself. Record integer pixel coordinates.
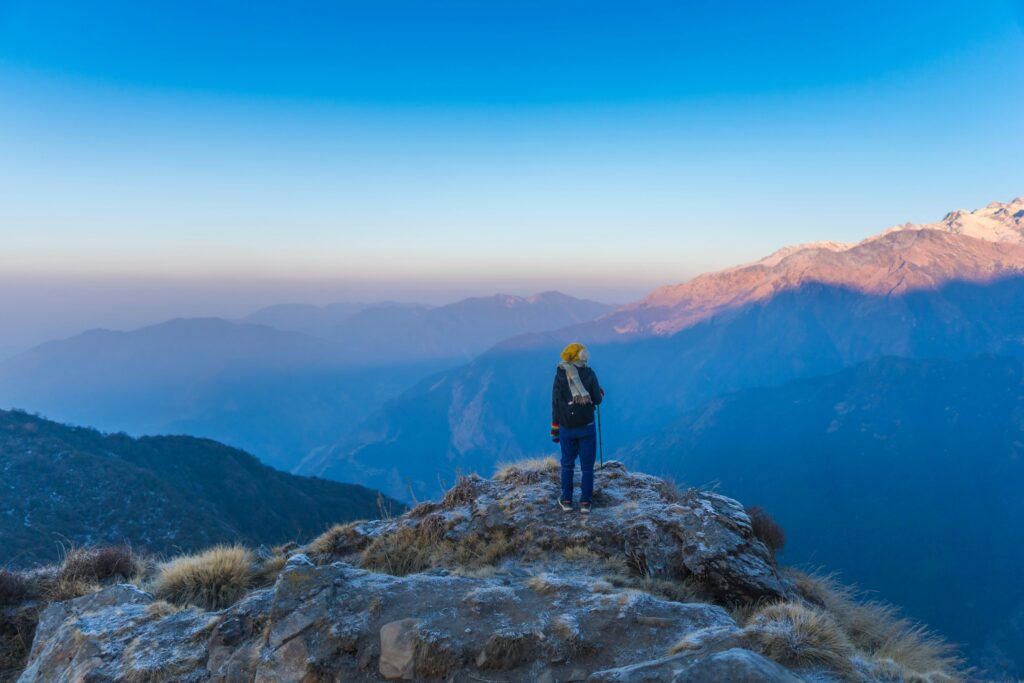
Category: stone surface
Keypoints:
(398, 649)
(637, 517)
(118, 634)
(736, 666)
(533, 613)
(733, 666)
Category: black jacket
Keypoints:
(563, 411)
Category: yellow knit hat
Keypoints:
(572, 352)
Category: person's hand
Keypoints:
(554, 433)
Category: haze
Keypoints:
(244, 154)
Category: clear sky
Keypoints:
(218, 154)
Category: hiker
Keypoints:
(574, 397)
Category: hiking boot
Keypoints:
(566, 505)
(585, 507)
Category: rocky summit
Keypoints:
(495, 583)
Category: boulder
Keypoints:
(398, 649)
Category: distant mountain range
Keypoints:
(64, 486)
(389, 331)
(280, 382)
(916, 291)
(926, 322)
(880, 376)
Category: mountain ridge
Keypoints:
(78, 486)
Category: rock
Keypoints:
(548, 606)
(117, 634)
(350, 624)
(398, 649)
(637, 517)
(509, 648)
(299, 560)
(736, 666)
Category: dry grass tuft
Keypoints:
(528, 471)
(463, 493)
(794, 635)
(677, 591)
(211, 580)
(412, 549)
(542, 584)
(284, 549)
(97, 565)
(482, 550)
(339, 540)
(767, 530)
(267, 572)
(672, 493)
(877, 629)
(581, 553)
(408, 550)
(425, 508)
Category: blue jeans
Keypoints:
(582, 442)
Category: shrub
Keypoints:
(15, 588)
(794, 635)
(96, 565)
(17, 630)
(767, 530)
(212, 580)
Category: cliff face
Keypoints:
(494, 583)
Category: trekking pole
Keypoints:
(600, 446)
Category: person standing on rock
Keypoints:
(574, 397)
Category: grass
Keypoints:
(528, 471)
(877, 629)
(543, 584)
(463, 493)
(82, 571)
(211, 580)
(797, 636)
(412, 549)
(98, 565)
(339, 540)
(671, 492)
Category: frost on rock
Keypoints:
(496, 583)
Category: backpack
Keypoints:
(578, 414)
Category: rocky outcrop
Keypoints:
(338, 622)
(643, 520)
(496, 585)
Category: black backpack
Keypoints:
(578, 414)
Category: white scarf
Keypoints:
(579, 392)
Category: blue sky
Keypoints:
(434, 149)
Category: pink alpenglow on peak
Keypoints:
(969, 246)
